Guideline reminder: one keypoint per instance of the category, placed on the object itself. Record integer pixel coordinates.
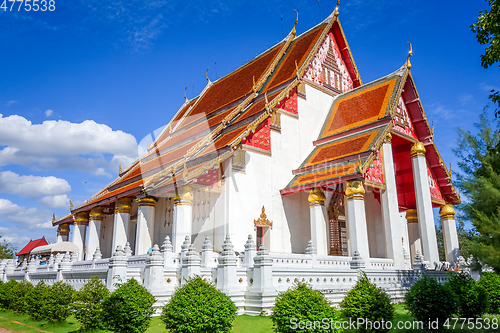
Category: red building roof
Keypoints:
(31, 245)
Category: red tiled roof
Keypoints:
(31, 245)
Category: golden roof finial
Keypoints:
(206, 74)
(432, 131)
(70, 204)
(361, 165)
(294, 32)
(53, 217)
(185, 96)
(336, 12)
(408, 63)
(120, 168)
(254, 88)
(147, 141)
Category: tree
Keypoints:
(87, 305)
(479, 161)
(487, 30)
(6, 250)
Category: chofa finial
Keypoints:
(206, 74)
(70, 204)
(294, 32)
(336, 12)
(410, 53)
(185, 96)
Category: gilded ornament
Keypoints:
(183, 193)
(411, 216)
(316, 195)
(262, 221)
(123, 205)
(96, 212)
(388, 137)
(446, 210)
(410, 53)
(63, 228)
(355, 187)
(70, 205)
(81, 218)
(146, 201)
(417, 148)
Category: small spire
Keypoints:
(410, 53)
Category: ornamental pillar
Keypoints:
(95, 220)
(62, 233)
(413, 233)
(356, 219)
(145, 225)
(450, 236)
(424, 204)
(183, 217)
(79, 228)
(318, 220)
(120, 225)
(390, 208)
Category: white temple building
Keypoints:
(289, 167)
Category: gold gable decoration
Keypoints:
(262, 221)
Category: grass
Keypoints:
(243, 324)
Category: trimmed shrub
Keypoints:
(366, 301)
(491, 282)
(58, 305)
(302, 303)
(198, 307)
(19, 301)
(428, 299)
(5, 290)
(87, 304)
(37, 300)
(472, 298)
(128, 309)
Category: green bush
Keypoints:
(87, 304)
(198, 307)
(491, 282)
(303, 304)
(19, 301)
(128, 309)
(428, 299)
(472, 297)
(36, 301)
(366, 301)
(58, 305)
(5, 290)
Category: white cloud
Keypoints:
(30, 217)
(16, 241)
(4, 230)
(10, 103)
(55, 201)
(62, 145)
(32, 186)
(49, 113)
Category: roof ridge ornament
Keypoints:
(206, 75)
(336, 11)
(71, 205)
(185, 96)
(294, 32)
(410, 53)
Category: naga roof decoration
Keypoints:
(208, 128)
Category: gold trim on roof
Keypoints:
(262, 221)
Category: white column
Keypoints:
(390, 208)
(318, 220)
(450, 236)
(145, 225)
(424, 204)
(120, 226)
(413, 233)
(356, 219)
(62, 233)
(96, 216)
(79, 227)
(183, 217)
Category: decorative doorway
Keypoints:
(337, 226)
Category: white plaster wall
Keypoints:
(163, 220)
(205, 219)
(106, 235)
(375, 225)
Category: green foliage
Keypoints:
(6, 250)
(491, 282)
(301, 303)
(487, 30)
(58, 305)
(199, 307)
(479, 160)
(19, 300)
(5, 290)
(427, 298)
(128, 309)
(37, 299)
(87, 304)
(472, 298)
(368, 302)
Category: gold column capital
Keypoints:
(417, 149)
(411, 216)
(96, 213)
(316, 197)
(447, 211)
(146, 201)
(123, 205)
(355, 190)
(183, 196)
(63, 229)
(81, 218)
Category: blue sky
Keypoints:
(81, 85)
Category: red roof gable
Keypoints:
(31, 245)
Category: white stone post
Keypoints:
(390, 208)
(145, 225)
(356, 219)
(250, 252)
(120, 227)
(153, 274)
(208, 256)
(95, 219)
(62, 233)
(450, 236)
(226, 271)
(183, 217)
(263, 272)
(318, 220)
(79, 228)
(413, 233)
(424, 204)
(117, 270)
(191, 264)
(168, 253)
